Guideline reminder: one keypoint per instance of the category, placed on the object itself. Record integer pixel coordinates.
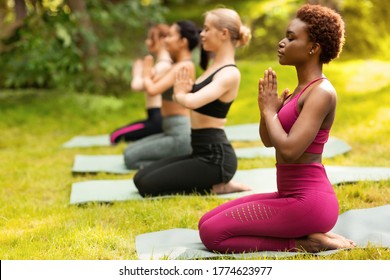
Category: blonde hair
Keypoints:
(230, 19)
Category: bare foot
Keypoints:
(324, 241)
(230, 187)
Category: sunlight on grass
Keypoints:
(37, 222)
(365, 76)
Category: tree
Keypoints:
(87, 38)
(72, 44)
(20, 10)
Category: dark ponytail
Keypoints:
(204, 58)
(189, 30)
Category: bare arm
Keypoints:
(263, 131)
(137, 82)
(292, 145)
(156, 86)
(227, 80)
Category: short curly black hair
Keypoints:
(325, 27)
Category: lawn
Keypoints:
(37, 222)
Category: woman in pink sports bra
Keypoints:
(304, 209)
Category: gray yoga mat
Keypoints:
(261, 180)
(122, 190)
(100, 163)
(85, 141)
(239, 132)
(115, 163)
(367, 227)
(242, 132)
(103, 191)
(349, 174)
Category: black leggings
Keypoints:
(212, 161)
(140, 129)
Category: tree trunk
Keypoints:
(3, 12)
(89, 48)
(20, 10)
(6, 31)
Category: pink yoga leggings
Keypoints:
(305, 203)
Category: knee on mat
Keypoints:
(115, 138)
(209, 237)
(118, 135)
(130, 159)
(141, 185)
(138, 184)
(202, 220)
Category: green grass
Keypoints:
(37, 222)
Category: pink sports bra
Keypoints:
(288, 114)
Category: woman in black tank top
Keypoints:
(213, 163)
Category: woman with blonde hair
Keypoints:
(213, 162)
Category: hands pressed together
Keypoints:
(183, 83)
(268, 99)
(137, 69)
(147, 71)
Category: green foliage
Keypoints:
(41, 54)
(268, 21)
(46, 51)
(123, 25)
(367, 32)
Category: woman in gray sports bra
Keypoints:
(213, 163)
(175, 140)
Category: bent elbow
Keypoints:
(289, 155)
(185, 102)
(152, 92)
(267, 144)
(190, 106)
(266, 141)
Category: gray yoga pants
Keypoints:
(174, 141)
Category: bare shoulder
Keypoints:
(229, 73)
(327, 86)
(184, 63)
(324, 89)
(322, 94)
(162, 66)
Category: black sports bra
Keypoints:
(216, 108)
